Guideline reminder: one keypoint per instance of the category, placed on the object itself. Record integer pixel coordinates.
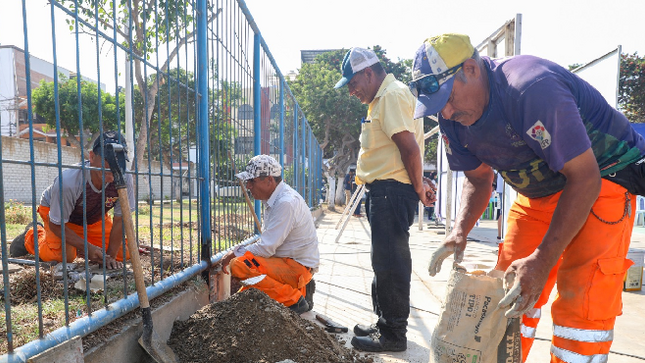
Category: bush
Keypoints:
(144, 210)
(16, 213)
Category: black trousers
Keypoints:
(392, 207)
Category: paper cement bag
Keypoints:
(471, 329)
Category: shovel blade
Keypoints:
(157, 348)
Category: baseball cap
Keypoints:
(355, 61)
(260, 165)
(438, 56)
(112, 137)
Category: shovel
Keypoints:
(149, 340)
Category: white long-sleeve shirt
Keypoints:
(288, 229)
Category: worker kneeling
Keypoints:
(283, 261)
(75, 207)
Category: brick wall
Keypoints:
(17, 180)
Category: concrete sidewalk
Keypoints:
(345, 276)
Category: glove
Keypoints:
(437, 258)
(512, 300)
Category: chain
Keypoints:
(626, 211)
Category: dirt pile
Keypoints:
(250, 327)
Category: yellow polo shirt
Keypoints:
(390, 112)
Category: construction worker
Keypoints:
(390, 165)
(283, 261)
(78, 209)
(559, 144)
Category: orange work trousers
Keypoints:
(49, 244)
(589, 274)
(285, 280)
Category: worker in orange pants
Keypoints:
(589, 274)
(576, 164)
(281, 263)
(49, 244)
(76, 204)
(283, 279)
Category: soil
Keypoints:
(24, 296)
(250, 327)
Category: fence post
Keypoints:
(282, 125)
(257, 106)
(295, 148)
(202, 125)
(302, 155)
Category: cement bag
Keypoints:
(471, 329)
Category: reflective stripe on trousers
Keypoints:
(589, 275)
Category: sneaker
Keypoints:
(17, 247)
(310, 290)
(300, 307)
(361, 330)
(373, 344)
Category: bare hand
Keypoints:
(226, 260)
(112, 264)
(428, 196)
(95, 254)
(524, 281)
(450, 245)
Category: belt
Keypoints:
(375, 183)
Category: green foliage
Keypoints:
(68, 90)
(161, 23)
(173, 123)
(332, 113)
(16, 213)
(631, 87)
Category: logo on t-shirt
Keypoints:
(539, 133)
(110, 201)
(446, 143)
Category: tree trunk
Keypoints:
(340, 191)
(331, 185)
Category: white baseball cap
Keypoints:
(355, 61)
(260, 165)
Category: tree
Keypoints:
(631, 87)
(44, 106)
(144, 28)
(333, 114)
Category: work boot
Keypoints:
(374, 344)
(300, 307)
(17, 247)
(361, 330)
(310, 290)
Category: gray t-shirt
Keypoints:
(72, 198)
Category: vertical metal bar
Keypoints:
(204, 162)
(303, 185)
(257, 105)
(282, 124)
(5, 263)
(310, 160)
(32, 165)
(59, 156)
(295, 180)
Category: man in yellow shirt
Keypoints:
(390, 165)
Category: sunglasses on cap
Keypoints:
(431, 83)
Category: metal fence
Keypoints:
(196, 92)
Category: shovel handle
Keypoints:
(248, 203)
(134, 250)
